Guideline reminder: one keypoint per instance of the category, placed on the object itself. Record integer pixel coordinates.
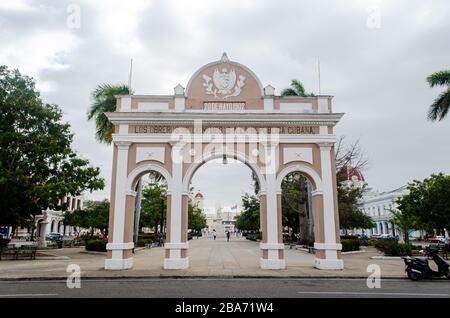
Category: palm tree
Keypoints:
(104, 100)
(296, 89)
(441, 105)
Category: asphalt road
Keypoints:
(227, 288)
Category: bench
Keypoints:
(26, 251)
(8, 252)
(14, 253)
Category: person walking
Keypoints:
(228, 236)
(214, 234)
(161, 239)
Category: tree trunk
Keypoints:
(137, 215)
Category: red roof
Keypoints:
(352, 174)
(199, 195)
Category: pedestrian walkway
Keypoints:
(208, 258)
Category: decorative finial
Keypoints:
(224, 58)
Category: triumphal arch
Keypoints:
(224, 112)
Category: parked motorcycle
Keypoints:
(417, 268)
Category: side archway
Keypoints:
(143, 169)
(309, 173)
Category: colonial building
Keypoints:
(378, 206)
(51, 221)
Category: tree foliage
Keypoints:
(153, 205)
(94, 215)
(103, 101)
(441, 105)
(350, 216)
(294, 203)
(196, 219)
(37, 165)
(249, 220)
(296, 89)
(428, 201)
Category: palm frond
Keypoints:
(104, 100)
(298, 87)
(440, 107)
(288, 92)
(439, 78)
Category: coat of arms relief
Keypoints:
(223, 83)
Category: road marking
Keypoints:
(374, 293)
(27, 295)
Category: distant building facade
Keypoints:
(51, 221)
(378, 205)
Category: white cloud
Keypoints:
(376, 75)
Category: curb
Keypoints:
(64, 278)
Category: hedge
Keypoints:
(350, 244)
(253, 236)
(4, 242)
(393, 248)
(96, 245)
(143, 242)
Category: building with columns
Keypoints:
(224, 112)
(51, 221)
(378, 206)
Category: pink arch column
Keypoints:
(272, 247)
(120, 243)
(176, 245)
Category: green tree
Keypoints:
(404, 222)
(296, 89)
(37, 165)
(196, 219)
(153, 205)
(439, 109)
(104, 101)
(94, 215)
(350, 216)
(429, 202)
(294, 203)
(249, 219)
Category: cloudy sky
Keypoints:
(374, 55)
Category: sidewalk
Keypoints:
(208, 258)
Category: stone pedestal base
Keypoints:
(176, 263)
(334, 264)
(272, 263)
(118, 264)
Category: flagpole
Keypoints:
(318, 71)
(130, 74)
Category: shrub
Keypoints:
(253, 236)
(4, 242)
(350, 244)
(143, 242)
(96, 245)
(393, 248)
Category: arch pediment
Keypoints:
(224, 83)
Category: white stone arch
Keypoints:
(230, 154)
(142, 169)
(317, 181)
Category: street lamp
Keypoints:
(162, 213)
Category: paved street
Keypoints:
(208, 258)
(227, 288)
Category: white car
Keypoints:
(440, 238)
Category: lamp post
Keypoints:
(162, 213)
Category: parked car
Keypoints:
(55, 236)
(387, 237)
(375, 236)
(437, 239)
